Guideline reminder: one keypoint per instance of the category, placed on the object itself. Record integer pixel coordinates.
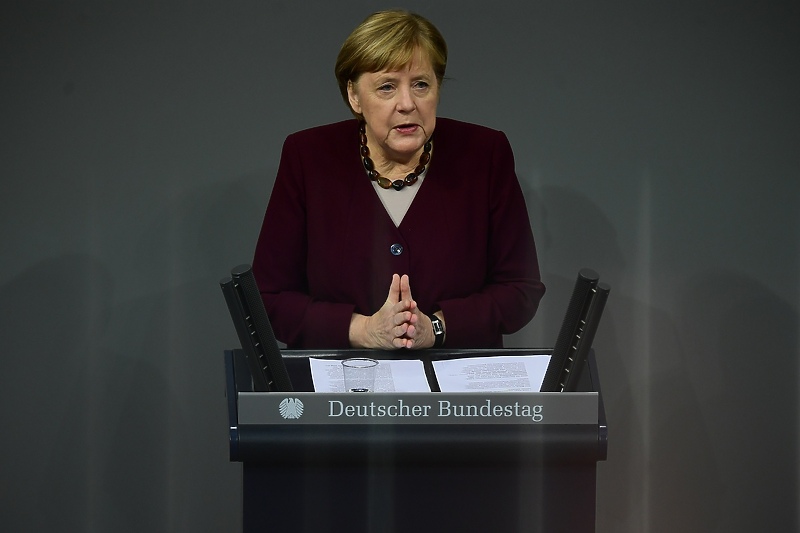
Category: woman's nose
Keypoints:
(405, 100)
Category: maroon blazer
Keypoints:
(328, 248)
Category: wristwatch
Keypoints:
(438, 331)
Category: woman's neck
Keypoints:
(394, 166)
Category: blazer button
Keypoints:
(396, 249)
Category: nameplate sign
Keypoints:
(418, 408)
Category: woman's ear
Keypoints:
(352, 97)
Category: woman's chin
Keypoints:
(407, 145)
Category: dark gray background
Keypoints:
(657, 142)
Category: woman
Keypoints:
(398, 229)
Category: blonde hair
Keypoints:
(388, 40)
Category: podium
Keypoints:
(414, 462)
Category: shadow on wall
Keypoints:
(701, 399)
(180, 321)
(741, 341)
(202, 232)
(661, 474)
(79, 454)
(638, 354)
(118, 408)
(571, 233)
(229, 220)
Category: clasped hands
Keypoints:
(397, 324)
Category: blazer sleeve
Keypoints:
(513, 288)
(280, 260)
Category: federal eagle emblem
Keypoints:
(291, 408)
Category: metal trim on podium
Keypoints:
(407, 464)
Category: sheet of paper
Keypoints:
(393, 376)
(514, 373)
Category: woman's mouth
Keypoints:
(406, 128)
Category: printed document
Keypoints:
(514, 373)
(392, 376)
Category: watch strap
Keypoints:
(438, 331)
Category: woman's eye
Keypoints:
(385, 88)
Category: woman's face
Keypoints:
(399, 108)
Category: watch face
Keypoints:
(437, 327)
